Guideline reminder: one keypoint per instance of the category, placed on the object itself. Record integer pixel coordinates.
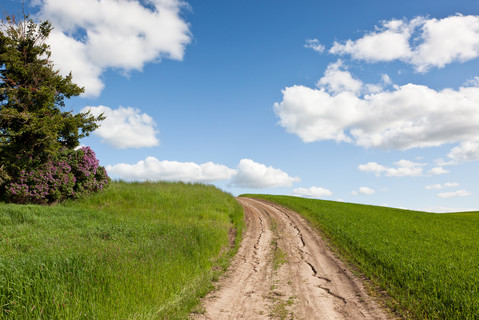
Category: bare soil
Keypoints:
(285, 270)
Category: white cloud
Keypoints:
(474, 82)
(462, 34)
(466, 151)
(336, 80)
(459, 193)
(249, 174)
(440, 186)
(152, 169)
(258, 176)
(386, 79)
(364, 191)
(125, 127)
(437, 171)
(314, 192)
(372, 167)
(440, 209)
(394, 40)
(389, 43)
(402, 168)
(71, 55)
(409, 116)
(91, 36)
(450, 184)
(315, 45)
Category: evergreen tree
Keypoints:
(33, 126)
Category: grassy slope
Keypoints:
(428, 262)
(136, 251)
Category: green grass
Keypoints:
(136, 251)
(428, 263)
(279, 256)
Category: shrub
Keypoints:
(71, 174)
(90, 176)
(38, 163)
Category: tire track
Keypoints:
(307, 282)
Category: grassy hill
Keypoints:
(149, 250)
(136, 251)
(429, 263)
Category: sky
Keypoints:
(364, 101)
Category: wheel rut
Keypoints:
(284, 270)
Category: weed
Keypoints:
(279, 256)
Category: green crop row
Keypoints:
(135, 251)
(428, 263)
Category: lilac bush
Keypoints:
(90, 176)
(72, 174)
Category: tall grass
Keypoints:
(428, 262)
(136, 251)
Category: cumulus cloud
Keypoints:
(91, 36)
(388, 43)
(372, 167)
(441, 186)
(466, 151)
(313, 192)
(402, 168)
(364, 191)
(437, 171)
(248, 174)
(458, 193)
(396, 40)
(462, 34)
(337, 80)
(450, 184)
(125, 127)
(152, 169)
(70, 55)
(255, 175)
(474, 82)
(405, 117)
(315, 45)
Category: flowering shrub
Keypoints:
(72, 174)
(90, 176)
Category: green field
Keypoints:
(428, 263)
(136, 251)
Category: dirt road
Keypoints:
(284, 270)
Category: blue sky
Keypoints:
(367, 101)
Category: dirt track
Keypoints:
(284, 270)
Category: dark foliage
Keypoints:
(34, 130)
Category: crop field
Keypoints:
(135, 251)
(428, 263)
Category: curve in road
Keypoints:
(285, 270)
